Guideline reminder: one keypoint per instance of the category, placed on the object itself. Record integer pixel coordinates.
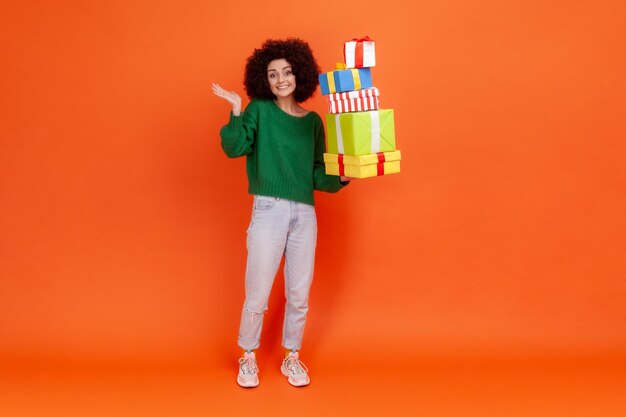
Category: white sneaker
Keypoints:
(248, 371)
(295, 371)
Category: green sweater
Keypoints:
(284, 153)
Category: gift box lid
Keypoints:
(373, 158)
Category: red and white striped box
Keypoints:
(351, 101)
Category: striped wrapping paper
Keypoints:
(353, 101)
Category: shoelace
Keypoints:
(295, 366)
(248, 365)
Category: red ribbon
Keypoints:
(358, 51)
(341, 167)
(380, 167)
(358, 55)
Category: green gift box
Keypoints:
(361, 133)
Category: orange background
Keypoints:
(122, 223)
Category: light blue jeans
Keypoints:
(278, 227)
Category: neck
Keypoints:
(287, 104)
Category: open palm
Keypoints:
(230, 96)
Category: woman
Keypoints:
(284, 145)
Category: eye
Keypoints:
(288, 73)
(272, 75)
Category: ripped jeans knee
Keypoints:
(254, 314)
(250, 328)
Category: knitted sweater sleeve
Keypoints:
(239, 134)
(321, 181)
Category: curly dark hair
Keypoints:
(303, 65)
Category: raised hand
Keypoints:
(230, 96)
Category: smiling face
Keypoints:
(281, 79)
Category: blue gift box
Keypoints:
(342, 80)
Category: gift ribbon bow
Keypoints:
(358, 50)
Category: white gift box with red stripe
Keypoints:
(352, 101)
(359, 53)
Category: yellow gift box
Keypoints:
(364, 166)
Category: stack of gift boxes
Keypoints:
(361, 137)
